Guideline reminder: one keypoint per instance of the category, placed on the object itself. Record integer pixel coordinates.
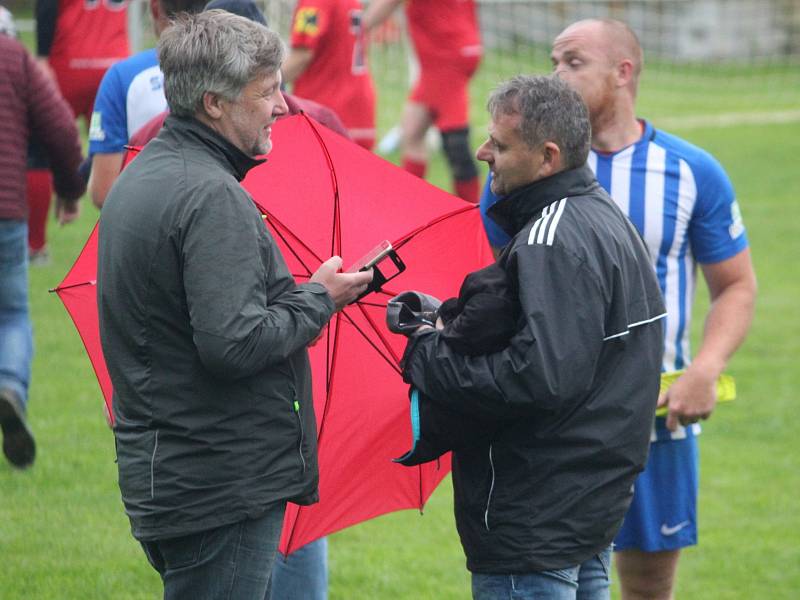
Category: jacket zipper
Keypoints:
(491, 490)
(302, 433)
(152, 468)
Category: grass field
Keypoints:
(63, 533)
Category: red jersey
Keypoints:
(90, 34)
(443, 29)
(338, 75)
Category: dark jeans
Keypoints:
(232, 562)
(587, 581)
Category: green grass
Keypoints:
(63, 532)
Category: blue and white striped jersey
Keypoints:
(682, 202)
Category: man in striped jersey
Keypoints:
(682, 202)
(569, 401)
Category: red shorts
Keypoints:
(79, 87)
(444, 89)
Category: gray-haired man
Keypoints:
(573, 393)
(204, 330)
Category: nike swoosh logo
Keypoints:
(667, 530)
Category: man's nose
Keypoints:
(281, 108)
(482, 153)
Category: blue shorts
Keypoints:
(663, 513)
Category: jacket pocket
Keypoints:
(137, 454)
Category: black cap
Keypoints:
(243, 8)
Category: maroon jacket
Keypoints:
(31, 106)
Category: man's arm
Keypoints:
(378, 11)
(105, 170)
(53, 124)
(108, 134)
(732, 288)
(240, 325)
(296, 63)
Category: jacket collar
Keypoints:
(229, 156)
(512, 212)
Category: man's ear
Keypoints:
(624, 72)
(213, 105)
(551, 159)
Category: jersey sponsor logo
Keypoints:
(307, 21)
(543, 231)
(736, 227)
(96, 133)
(669, 530)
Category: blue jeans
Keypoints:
(16, 335)
(232, 562)
(587, 581)
(303, 575)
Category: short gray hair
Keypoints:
(214, 51)
(551, 111)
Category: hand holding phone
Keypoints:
(343, 288)
(375, 259)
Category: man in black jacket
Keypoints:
(203, 328)
(573, 393)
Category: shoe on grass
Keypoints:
(18, 444)
(39, 258)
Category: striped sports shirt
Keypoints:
(682, 202)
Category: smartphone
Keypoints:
(371, 258)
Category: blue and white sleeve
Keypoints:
(108, 130)
(716, 230)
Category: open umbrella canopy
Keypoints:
(78, 292)
(322, 195)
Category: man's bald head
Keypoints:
(618, 40)
(602, 60)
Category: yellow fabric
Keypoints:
(726, 388)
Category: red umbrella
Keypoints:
(323, 195)
(79, 295)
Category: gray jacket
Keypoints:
(204, 332)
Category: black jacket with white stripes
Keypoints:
(574, 392)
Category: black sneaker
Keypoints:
(18, 444)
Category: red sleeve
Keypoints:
(53, 125)
(311, 22)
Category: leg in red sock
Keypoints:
(415, 167)
(40, 192)
(455, 144)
